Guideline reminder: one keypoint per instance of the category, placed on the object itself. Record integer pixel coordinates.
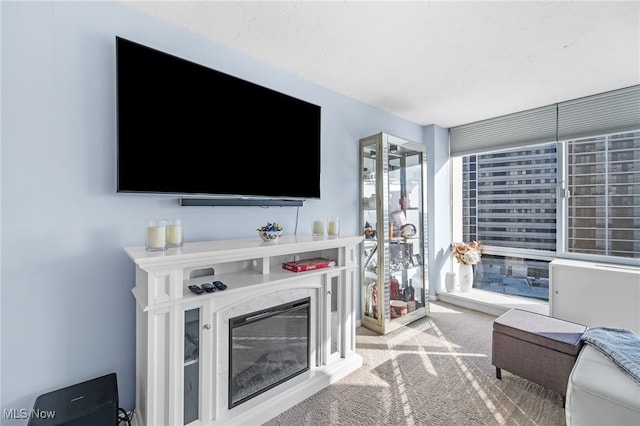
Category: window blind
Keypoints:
(508, 131)
(610, 112)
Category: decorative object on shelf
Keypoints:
(369, 232)
(450, 282)
(467, 255)
(372, 201)
(269, 236)
(408, 230)
(465, 277)
(156, 235)
(270, 232)
(333, 229)
(368, 176)
(398, 308)
(174, 233)
(371, 299)
(409, 293)
(394, 284)
(318, 226)
(308, 264)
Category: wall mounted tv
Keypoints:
(188, 130)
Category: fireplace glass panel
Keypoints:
(267, 348)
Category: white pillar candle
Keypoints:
(174, 235)
(334, 227)
(156, 237)
(318, 226)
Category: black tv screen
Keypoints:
(186, 129)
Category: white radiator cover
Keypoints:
(595, 294)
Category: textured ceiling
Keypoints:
(432, 62)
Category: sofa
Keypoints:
(603, 389)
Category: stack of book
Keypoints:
(308, 264)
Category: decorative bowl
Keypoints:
(270, 236)
(270, 232)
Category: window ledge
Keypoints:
(493, 303)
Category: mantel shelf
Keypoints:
(233, 250)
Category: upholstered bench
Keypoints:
(537, 347)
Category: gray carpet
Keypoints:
(435, 371)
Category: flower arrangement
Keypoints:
(271, 227)
(467, 253)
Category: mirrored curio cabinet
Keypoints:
(394, 284)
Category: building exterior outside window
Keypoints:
(509, 198)
(604, 195)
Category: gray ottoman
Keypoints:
(536, 347)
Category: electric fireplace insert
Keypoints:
(267, 348)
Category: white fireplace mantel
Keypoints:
(253, 272)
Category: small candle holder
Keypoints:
(333, 229)
(156, 235)
(174, 233)
(318, 226)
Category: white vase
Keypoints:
(450, 282)
(465, 277)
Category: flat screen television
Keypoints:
(188, 130)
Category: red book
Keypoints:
(308, 264)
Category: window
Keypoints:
(560, 180)
(509, 202)
(603, 207)
(513, 275)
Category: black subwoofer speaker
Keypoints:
(90, 403)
